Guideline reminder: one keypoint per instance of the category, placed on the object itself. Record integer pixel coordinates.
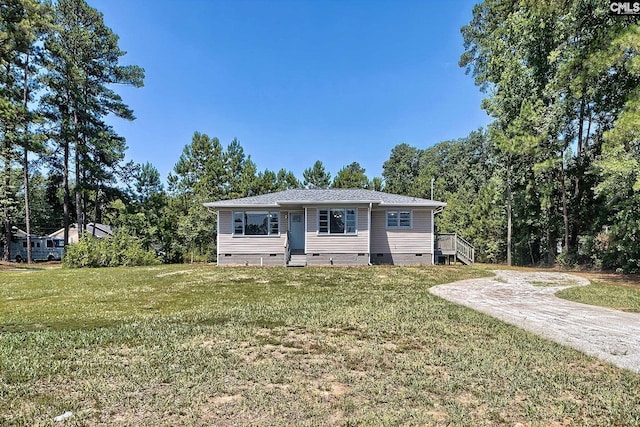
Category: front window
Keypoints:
(399, 219)
(256, 223)
(337, 221)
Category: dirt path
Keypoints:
(527, 300)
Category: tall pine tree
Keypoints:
(83, 64)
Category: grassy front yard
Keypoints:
(618, 291)
(180, 345)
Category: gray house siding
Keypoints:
(250, 250)
(334, 249)
(398, 246)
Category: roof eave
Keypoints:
(422, 205)
(215, 205)
(327, 202)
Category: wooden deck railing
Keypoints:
(453, 244)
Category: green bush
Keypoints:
(122, 249)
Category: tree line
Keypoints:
(176, 219)
(562, 83)
(554, 178)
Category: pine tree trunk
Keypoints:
(27, 216)
(580, 126)
(67, 197)
(78, 187)
(6, 200)
(565, 212)
(84, 198)
(25, 166)
(509, 204)
(95, 212)
(577, 193)
(64, 137)
(551, 246)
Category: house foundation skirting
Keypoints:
(327, 259)
(337, 259)
(402, 259)
(250, 259)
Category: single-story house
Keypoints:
(325, 227)
(93, 229)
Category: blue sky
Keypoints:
(294, 81)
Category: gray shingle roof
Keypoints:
(322, 196)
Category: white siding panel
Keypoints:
(228, 244)
(338, 244)
(417, 240)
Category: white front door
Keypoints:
(296, 230)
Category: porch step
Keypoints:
(297, 261)
(464, 259)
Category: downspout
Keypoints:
(218, 237)
(369, 239)
(433, 241)
(306, 219)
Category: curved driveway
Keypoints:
(527, 300)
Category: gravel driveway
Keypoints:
(527, 300)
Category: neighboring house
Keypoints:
(326, 227)
(93, 229)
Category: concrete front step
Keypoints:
(297, 261)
